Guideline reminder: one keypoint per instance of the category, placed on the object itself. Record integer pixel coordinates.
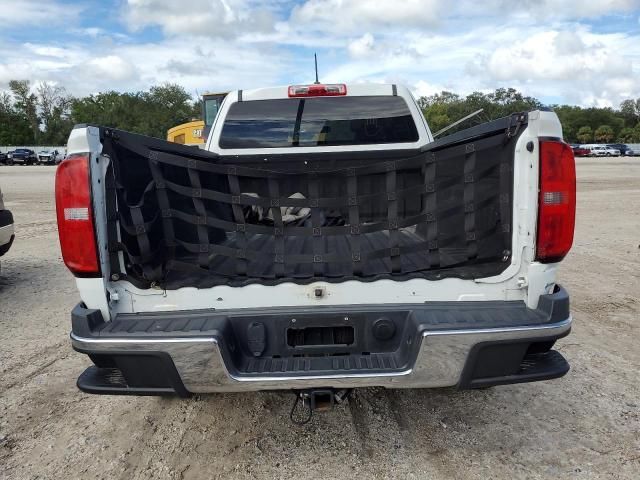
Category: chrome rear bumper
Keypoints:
(441, 360)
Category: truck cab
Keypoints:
(323, 240)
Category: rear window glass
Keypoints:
(318, 121)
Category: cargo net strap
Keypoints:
(196, 221)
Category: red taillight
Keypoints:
(317, 90)
(557, 201)
(75, 216)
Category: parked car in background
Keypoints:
(24, 156)
(580, 151)
(47, 157)
(604, 151)
(633, 152)
(619, 146)
(6, 228)
(3, 157)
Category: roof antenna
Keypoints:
(315, 59)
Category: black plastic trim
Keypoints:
(476, 132)
(511, 356)
(551, 139)
(556, 305)
(6, 218)
(532, 368)
(96, 379)
(85, 321)
(100, 381)
(5, 248)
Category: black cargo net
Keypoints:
(184, 217)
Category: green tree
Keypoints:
(585, 134)
(111, 109)
(571, 119)
(630, 111)
(445, 107)
(437, 117)
(604, 134)
(509, 100)
(150, 113)
(14, 127)
(626, 135)
(169, 105)
(443, 97)
(26, 106)
(46, 113)
(54, 106)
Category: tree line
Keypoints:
(579, 125)
(44, 114)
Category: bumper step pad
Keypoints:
(112, 382)
(132, 375)
(534, 367)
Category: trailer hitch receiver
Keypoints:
(316, 399)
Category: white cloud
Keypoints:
(20, 13)
(425, 89)
(90, 68)
(207, 18)
(551, 49)
(112, 67)
(43, 50)
(568, 43)
(575, 8)
(540, 10)
(362, 47)
(354, 15)
(576, 64)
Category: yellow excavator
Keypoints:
(197, 131)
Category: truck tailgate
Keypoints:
(183, 217)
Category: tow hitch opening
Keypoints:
(317, 399)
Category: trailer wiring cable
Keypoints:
(292, 415)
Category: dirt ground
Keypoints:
(585, 425)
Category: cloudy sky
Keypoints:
(584, 52)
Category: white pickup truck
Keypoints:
(322, 241)
(49, 157)
(604, 151)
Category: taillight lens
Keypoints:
(318, 90)
(557, 201)
(75, 216)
